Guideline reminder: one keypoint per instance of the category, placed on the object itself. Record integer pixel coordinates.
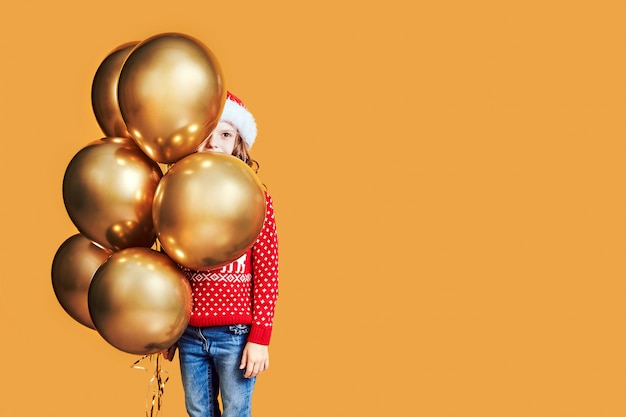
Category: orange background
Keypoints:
(449, 185)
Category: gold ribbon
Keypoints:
(156, 386)
(154, 397)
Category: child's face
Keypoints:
(222, 139)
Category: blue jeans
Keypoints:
(209, 364)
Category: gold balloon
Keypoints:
(74, 264)
(140, 301)
(170, 94)
(208, 210)
(108, 189)
(104, 92)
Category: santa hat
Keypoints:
(236, 114)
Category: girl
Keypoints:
(225, 345)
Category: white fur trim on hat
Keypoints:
(235, 113)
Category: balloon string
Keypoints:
(158, 246)
(154, 397)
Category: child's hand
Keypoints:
(170, 352)
(255, 359)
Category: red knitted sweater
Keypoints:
(244, 291)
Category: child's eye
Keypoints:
(226, 134)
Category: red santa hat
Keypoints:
(236, 114)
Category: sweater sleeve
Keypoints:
(265, 278)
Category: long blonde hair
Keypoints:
(242, 152)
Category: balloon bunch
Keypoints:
(156, 101)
